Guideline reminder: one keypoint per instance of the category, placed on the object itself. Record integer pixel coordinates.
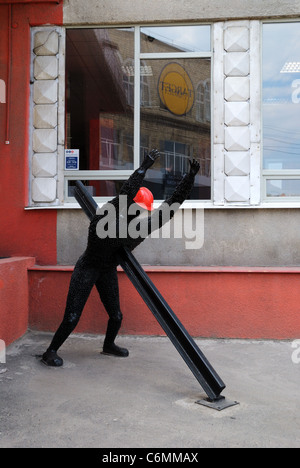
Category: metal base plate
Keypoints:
(219, 404)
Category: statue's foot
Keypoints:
(115, 350)
(50, 358)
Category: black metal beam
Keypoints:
(183, 342)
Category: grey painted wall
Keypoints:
(239, 237)
(141, 11)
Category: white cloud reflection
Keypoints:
(281, 91)
(185, 38)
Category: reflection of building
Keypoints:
(75, 76)
(101, 74)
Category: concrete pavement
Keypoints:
(148, 399)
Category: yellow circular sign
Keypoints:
(176, 89)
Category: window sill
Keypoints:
(188, 205)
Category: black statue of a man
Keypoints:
(98, 264)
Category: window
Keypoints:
(133, 89)
(281, 110)
(100, 97)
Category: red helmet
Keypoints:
(144, 198)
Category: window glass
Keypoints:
(175, 39)
(281, 97)
(176, 123)
(112, 131)
(100, 97)
(283, 187)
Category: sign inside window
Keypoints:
(72, 160)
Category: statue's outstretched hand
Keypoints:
(150, 159)
(194, 167)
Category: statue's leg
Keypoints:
(82, 282)
(108, 288)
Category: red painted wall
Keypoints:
(252, 303)
(22, 233)
(14, 297)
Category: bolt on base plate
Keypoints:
(218, 404)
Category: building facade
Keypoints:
(86, 88)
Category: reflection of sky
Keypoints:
(186, 38)
(281, 111)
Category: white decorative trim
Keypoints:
(47, 115)
(44, 165)
(237, 127)
(237, 113)
(237, 189)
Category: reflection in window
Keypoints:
(173, 126)
(281, 96)
(283, 187)
(145, 72)
(200, 102)
(175, 39)
(173, 111)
